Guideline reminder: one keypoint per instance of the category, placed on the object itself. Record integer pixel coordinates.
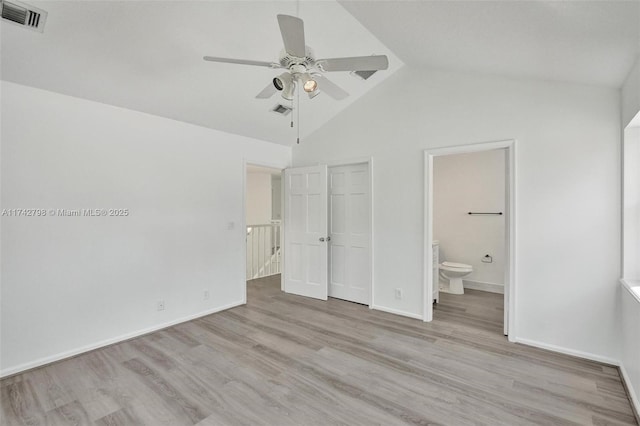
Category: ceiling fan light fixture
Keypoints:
(288, 91)
(285, 84)
(278, 83)
(308, 83)
(310, 86)
(282, 81)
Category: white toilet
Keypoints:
(454, 272)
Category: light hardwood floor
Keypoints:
(289, 360)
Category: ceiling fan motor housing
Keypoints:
(297, 64)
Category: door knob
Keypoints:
(322, 239)
(328, 238)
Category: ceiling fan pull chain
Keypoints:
(298, 112)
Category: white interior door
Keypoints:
(305, 231)
(349, 229)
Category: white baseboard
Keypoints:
(633, 396)
(483, 286)
(396, 312)
(68, 354)
(567, 351)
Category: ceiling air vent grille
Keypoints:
(281, 109)
(26, 16)
(364, 74)
(34, 19)
(14, 13)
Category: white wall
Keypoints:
(568, 190)
(74, 282)
(631, 94)
(258, 198)
(464, 183)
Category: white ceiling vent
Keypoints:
(24, 15)
(281, 109)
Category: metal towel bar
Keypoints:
(485, 213)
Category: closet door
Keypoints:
(305, 231)
(350, 245)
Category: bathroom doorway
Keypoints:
(469, 234)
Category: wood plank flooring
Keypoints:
(289, 360)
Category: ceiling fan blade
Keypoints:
(292, 30)
(356, 63)
(242, 62)
(327, 86)
(267, 92)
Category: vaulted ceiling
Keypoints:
(147, 55)
(592, 42)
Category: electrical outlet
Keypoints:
(398, 293)
(161, 305)
(206, 295)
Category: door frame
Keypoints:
(243, 222)
(510, 287)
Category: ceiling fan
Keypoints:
(303, 68)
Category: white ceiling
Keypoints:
(594, 42)
(147, 55)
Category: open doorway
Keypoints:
(263, 215)
(469, 238)
(477, 231)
